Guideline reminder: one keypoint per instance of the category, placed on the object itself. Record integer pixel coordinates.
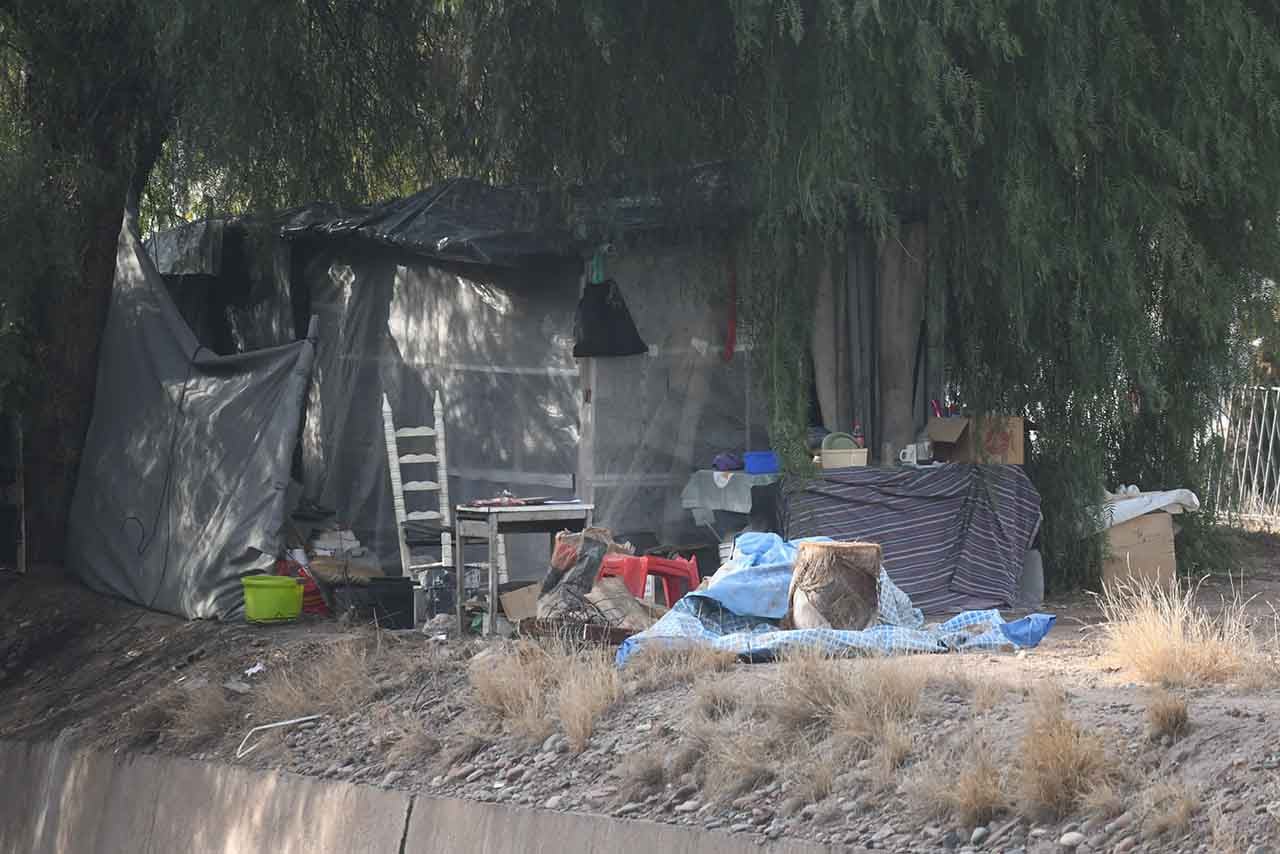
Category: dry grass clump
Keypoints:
(989, 693)
(530, 687)
(968, 786)
(414, 748)
(1168, 639)
(717, 700)
(1057, 762)
(1226, 838)
(517, 685)
(818, 696)
(1103, 799)
(331, 678)
(185, 719)
(687, 758)
(152, 720)
(1167, 715)
(657, 666)
(464, 749)
(738, 761)
(202, 716)
(1169, 809)
(640, 775)
(589, 686)
(847, 710)
(813, 777)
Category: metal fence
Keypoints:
(1247, 482)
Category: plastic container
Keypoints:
(761, 462)
(271, 598)
(843, 458)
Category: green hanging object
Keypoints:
(596, 271)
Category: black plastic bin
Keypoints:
(388, 602)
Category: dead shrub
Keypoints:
(657, 665)
(1167, 715)
(589, 686)
(1057, 762)
(331, 678)
(1170, 640)
(1169, 809)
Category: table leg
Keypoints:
(491, 621)
(459, 578)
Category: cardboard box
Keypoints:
(520, 604)
(986, 439)
(1141, 551)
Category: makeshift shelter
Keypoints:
(183, 477)
(472, 291)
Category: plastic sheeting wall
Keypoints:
(495, 343)
(659, 417)
(182, 484)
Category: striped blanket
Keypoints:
(954, 536)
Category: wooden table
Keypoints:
(491, 523)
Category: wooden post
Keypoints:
(442, 475)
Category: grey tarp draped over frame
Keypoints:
(182, 483)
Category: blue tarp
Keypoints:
(747, 598)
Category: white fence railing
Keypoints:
(1246, 485)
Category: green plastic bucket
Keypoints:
(271, 598)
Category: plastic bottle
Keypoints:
(859, 441)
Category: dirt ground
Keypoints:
(403, 710)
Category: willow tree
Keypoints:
(1100, 177)
(1102, 182)
(184, 106)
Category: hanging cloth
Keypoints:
(603, 326)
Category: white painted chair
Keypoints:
(437, 519)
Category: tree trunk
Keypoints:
(67, 363)
(902, 292)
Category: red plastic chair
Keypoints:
(634, 569)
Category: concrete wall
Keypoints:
(58, 800)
